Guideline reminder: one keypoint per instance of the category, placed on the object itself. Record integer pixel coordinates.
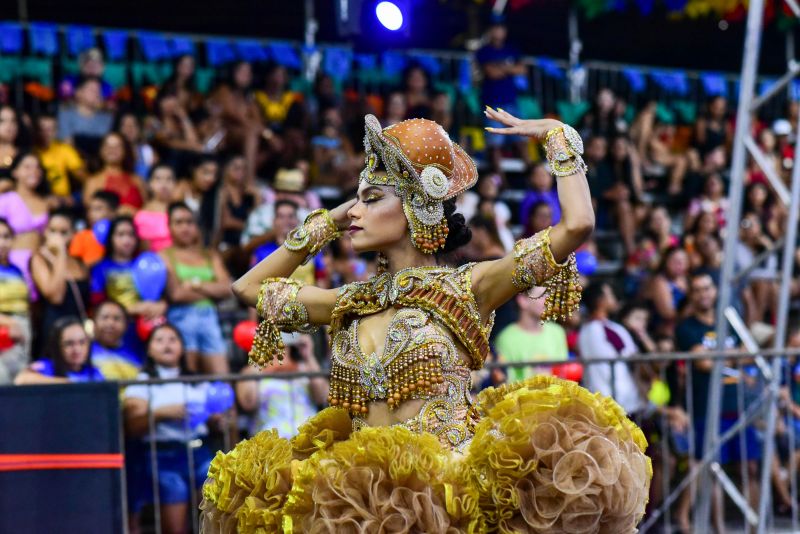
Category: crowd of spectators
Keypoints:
(212, 183)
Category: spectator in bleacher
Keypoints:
(10, 144)
(61, 279)
(110, 354)
(772, 214)
(178, 413)
(90, 65)
(710, 251)
(199, 192)
(116, 175)
(396, 109)
(416, 87)
(15, 320)
(528, 339)
(183, 83)
(600, 337)
(697, 333)
(197, 278)
(760, 293)
(67, 357)
(84, 123)
(627, 193)
(500, 64)
(485, 243)
(174, 131)
(712, 200)
(143, 154)
(442, 112)
(234, 105)
(605, 118)
(335, 161)
(289, 184)
(62, 163)
(284, 404)
(85, 246)
(237, 199)
(666, 290)
(541, 188)
(704, 226)
(276, 101)
(713, 129)
(539, 218)
(490, 205)
(659, 227)
(25, 208)
(654, 138)
(112, 278)
(151, 221)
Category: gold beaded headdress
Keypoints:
(425, 167)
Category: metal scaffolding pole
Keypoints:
(748, 80)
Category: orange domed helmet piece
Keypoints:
(425, 167)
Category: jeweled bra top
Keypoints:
(420, 360)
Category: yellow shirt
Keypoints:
(275, 111)
(59, 161)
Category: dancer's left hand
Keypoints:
(536, 128)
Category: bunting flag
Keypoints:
(337, 62)
(251, 50)
(393, 64)
(550, 68)
(43, 38)
(714, 84)
(428, 62)
(286, 55)
(219, 52)
(10, 38)
(181, 46)
(116, 44)
(635, 79)
(671, 81)
(154, 46)
(79, 38)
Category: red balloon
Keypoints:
(5, 338)
(569, 371)
(145, 326)
(244, 333)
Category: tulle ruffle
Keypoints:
(549, 456)
(383, 480)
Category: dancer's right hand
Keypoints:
(339, 214)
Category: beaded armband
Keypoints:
(279, 311)
(535, 266)
(564, 149)
(316, 231)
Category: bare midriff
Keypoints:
(27, 241)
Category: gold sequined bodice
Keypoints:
(432, 341)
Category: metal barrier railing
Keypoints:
(676, 456)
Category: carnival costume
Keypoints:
(541, 455)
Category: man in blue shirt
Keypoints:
(110, 354)
(500, 64)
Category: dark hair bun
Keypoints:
(459, 233)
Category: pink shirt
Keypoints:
(152, 226)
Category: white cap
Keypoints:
(782, 127)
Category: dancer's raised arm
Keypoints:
(285, 304)
(546, 258)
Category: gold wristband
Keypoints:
(317, 230)
(564, 148)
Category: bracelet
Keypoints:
(280, 311)
(317, 230)
(536, 266)
(564, 148)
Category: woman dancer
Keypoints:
(403, 448)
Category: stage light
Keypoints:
(389, 15)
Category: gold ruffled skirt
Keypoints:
(547, 456)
